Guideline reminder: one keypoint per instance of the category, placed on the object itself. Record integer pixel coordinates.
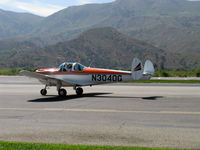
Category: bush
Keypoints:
(165, 74)
(198, 74)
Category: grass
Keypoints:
(168, 81)
(39, 146)
(177, 73)
(9, 71)
(13, 71)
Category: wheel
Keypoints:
(62, 92)
(43, 92)
(79, 91)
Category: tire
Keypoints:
(43, 92)
(62, 92)
(79, 91)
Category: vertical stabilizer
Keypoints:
(148, 68)
(137, 69)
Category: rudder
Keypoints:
(137, 69)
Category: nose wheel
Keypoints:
(62, 92)
(79, 91)
(43, 92)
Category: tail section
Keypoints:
(148, 68)
(137, 69)
(142, 73)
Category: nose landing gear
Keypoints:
(43, 92)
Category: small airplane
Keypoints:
(77, 75)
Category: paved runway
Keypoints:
(122, 114)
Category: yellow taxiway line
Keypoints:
(102, 110)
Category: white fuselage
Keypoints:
(93, 79)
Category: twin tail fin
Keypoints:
(140, 72)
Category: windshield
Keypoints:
(71, 67)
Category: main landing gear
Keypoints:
(62, 92)
(79, 91)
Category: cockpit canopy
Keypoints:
(68, 66)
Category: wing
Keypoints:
(45, 79)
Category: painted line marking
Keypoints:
(102, 111)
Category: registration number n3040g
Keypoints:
(106, 78)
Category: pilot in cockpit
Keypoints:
(69, 67)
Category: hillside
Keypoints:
(103, 47)
(173, 25)
(10, 48)
(170, 25)
(15, 24)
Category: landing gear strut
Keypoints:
(79, 91)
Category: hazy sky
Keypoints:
(43, 7)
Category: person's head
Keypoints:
(69, 66)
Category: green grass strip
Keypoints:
(168, 81)
(13, 71)
(39, 146)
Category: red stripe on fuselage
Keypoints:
(54, 71)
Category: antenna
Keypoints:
(90, 63)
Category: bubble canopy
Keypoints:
(69, 66)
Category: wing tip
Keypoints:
(22, 72)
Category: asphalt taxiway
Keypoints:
(153, 115)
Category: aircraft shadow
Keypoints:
(100, 95)
(144, 98)
(68, 97)
(152, 98)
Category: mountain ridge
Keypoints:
(15, 24)
(104, 47)
(152, 22)
(86, 47)
(171, 25)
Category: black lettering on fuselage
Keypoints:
(120, 78)
(104, 78)
(94, 77)
(107, 78)
(98, 77)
